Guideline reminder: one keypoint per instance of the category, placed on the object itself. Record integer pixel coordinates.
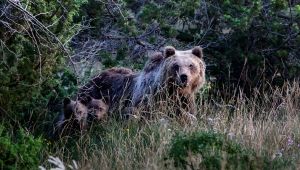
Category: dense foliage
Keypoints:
(21, 151)
(209, 150)
(247, 43)
(32, 55)
(33, 36)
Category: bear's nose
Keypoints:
(183, 78)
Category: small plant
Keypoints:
(212, 150)
(19, 152)
(209, 150)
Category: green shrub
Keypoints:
(21, 151)
(212, 148)
(209, 150)
(32, 55)
(246, 39)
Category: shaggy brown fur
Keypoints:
(77, 114)
(98, 109)
(113, 86)
(174, 74)
(72, 119)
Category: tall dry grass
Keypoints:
(267, 123)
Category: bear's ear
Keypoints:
(169, 51)
(67, 101)
(197, 51)
(86, 100)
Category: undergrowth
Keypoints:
(241, 133)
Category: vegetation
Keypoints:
(240, 133)
(248, 111)
(20, 151)
(209, 150)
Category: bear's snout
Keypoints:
(183, 79)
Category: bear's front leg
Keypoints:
(188, 109)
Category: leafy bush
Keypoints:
(22, 151)
(32, 54)
(253, 42)
(210, 150)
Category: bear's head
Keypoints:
(80, 109)
(98, 109)
(75, 113)
(184, 69)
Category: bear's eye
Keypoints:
(191, 66)
(176, 67)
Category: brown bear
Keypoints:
(77, 114)
(175, 75)
(98, 109)
(72, 119)
(113, 86)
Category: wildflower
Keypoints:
(163, 121)
(290, 141)
(231, 135)
(278, 154)
(210, 121)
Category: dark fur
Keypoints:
(68, 121)
(154, 61)
(113, 86)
